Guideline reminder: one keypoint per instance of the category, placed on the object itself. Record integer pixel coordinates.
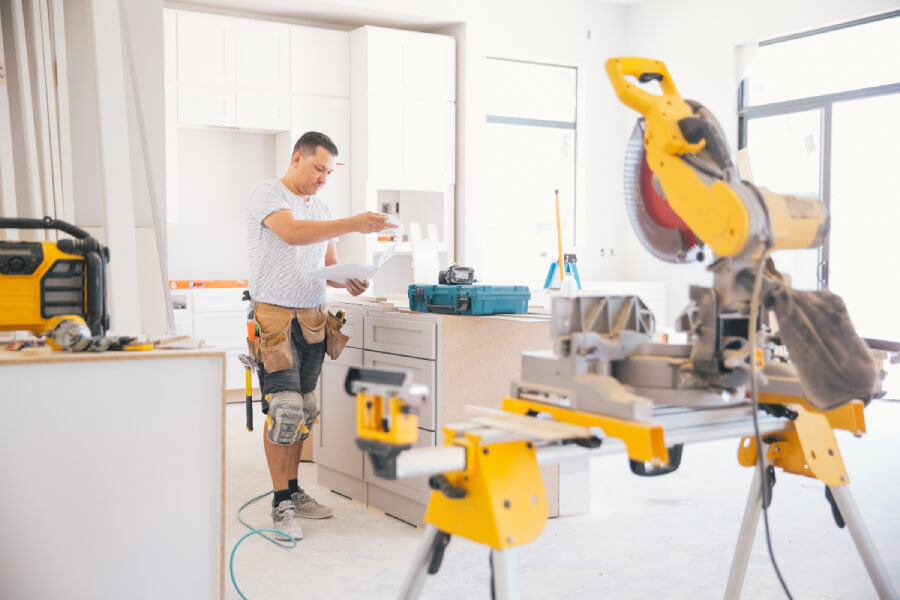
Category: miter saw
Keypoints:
(753, 343)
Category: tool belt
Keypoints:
(273, 346)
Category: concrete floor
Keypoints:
(666, 537)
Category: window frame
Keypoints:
(569, 125)
(825, 103)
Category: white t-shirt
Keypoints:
(278, 269)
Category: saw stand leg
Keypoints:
(850, 513)
(430, 553)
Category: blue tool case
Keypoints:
(469, 299)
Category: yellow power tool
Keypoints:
(43, 282)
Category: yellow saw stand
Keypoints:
(488, 489)
(806, 446)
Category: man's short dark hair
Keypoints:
(311, 140)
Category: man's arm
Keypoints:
(354, 286)
(301, 233)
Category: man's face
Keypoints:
(309, 173)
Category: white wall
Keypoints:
(557, 33)
(697, 41)
(217, 168)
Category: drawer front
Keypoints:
(423, 372)
(235, 378)
(414, 488)
(222, 329)
(398, 336)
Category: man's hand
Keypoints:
(357, 287)
(369, 222)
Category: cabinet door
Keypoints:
(336, 437)
(201, 105)
(387, 148)
(430, 67)
(262, 110)
(205, 49)
(423, 371)
(414, 488)
(320, 62)
(262, 55)
(432, 141)
(384, 62)
(330, 116)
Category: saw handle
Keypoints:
(644, 70)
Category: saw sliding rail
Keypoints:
(487, 485)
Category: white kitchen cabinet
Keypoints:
(336, 437)
(320, 62)
(230, 72)
(262, 110)
(407, 64)
(170, 33)
(205, 49)
(262, 55)
(432, 132)
(403, 132)
(331, 116)
(205, 105)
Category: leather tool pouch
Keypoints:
(275, 352)
(334, 339)
(312, 324)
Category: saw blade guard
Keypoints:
(656, 225)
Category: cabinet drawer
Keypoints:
(398, 336)
(414, 488)
(235, 378)
(423, 372)
(353, 328)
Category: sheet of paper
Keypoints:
(345, 271)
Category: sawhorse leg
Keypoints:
(850, 514)
(745, 539)
(504, 581)
(432, 541)
(870, 557)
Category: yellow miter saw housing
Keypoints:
(684, 147)
(43, 283)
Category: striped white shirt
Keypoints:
(278, 269)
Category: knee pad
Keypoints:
(310, 412)
(285, 417)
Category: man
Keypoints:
(290, 232)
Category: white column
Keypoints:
(115, 151)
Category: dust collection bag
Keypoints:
(833, 363)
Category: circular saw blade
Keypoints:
(656, 225)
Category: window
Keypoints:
(818, 114)
(530, 152)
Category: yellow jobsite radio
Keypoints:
(42, 281)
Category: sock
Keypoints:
(293, 486)
(281, 495)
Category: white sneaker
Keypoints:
(307, 506)
(285, 519)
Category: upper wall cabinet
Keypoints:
(232, 72)
(320, 62)
(408, 64)
(205, 49)
(261, 59)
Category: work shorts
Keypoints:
(291, 349)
